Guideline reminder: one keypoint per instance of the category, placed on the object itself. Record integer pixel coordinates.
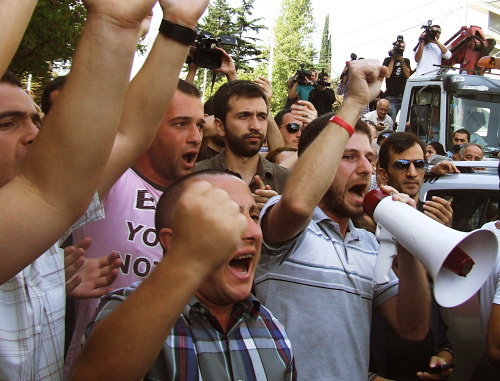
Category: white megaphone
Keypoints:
(458, 262)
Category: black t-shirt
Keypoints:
(322, 100)
(395, 84)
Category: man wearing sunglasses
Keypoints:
(290, 128)
(402, 166)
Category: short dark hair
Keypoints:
(208, 106)
(311, 132)
(169, 198)
(397, 143)
(462, 131)
(278, 118)
(55, 84)
(438, 147)
(11, 79)
(238, 88)
(188, 88)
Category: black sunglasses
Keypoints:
(292, 127)
(403, 164)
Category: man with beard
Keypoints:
(316, 270)
(241, 112)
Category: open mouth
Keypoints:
(242, 263)
(190, 157)
(358, 190)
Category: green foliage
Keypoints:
(293, 46)
(222, 19)
(325, 54)
(51, 37)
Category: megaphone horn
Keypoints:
(458, 262)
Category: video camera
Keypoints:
(397, 50)
(204, 55)
(321, 79)
(302, 75)
(429, 33)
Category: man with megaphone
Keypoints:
(316, 271)
(402, 166)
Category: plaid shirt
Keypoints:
(255, 347)
(32, 309)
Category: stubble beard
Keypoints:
(241, 147)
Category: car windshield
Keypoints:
(479, 114)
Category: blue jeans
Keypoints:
(394, 107)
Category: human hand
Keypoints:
(443, 167)
(263, 193)
(89, 277)
(265, 85)
(440, 210)
(365, 80)
(304, 111)
(396, 196)
(122, 14)
(435, 361)
(227, 66)
(183, 12)
(207, 226)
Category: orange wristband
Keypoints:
(342, 123)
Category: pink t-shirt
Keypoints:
(128, 228)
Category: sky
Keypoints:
(368, 28)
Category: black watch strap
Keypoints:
(177, 32)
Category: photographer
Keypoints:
(322, 97)
(430, 51)
(398, 71)
(302, 85)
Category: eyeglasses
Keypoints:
(292, 127)
(403, 165)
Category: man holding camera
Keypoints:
(398, 71)
(322, 96)
(302, 84)
(430, 51)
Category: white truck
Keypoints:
(434, 107)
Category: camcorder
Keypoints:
(203, 53)
(321, 81)
(397, 50)
(302, 75)
(429, 33)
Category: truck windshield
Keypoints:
(480, 115)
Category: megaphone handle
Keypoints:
(386, 253)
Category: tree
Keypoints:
(293, 34)
(325, 54)
(221, 19)
(51, 37)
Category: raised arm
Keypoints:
(14, 18)
(64, 165)
(150, 92)
(138, 327)
(321, 159)
(274, 137)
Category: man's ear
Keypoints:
(165, 236)
(219, 127)
(383, 176)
